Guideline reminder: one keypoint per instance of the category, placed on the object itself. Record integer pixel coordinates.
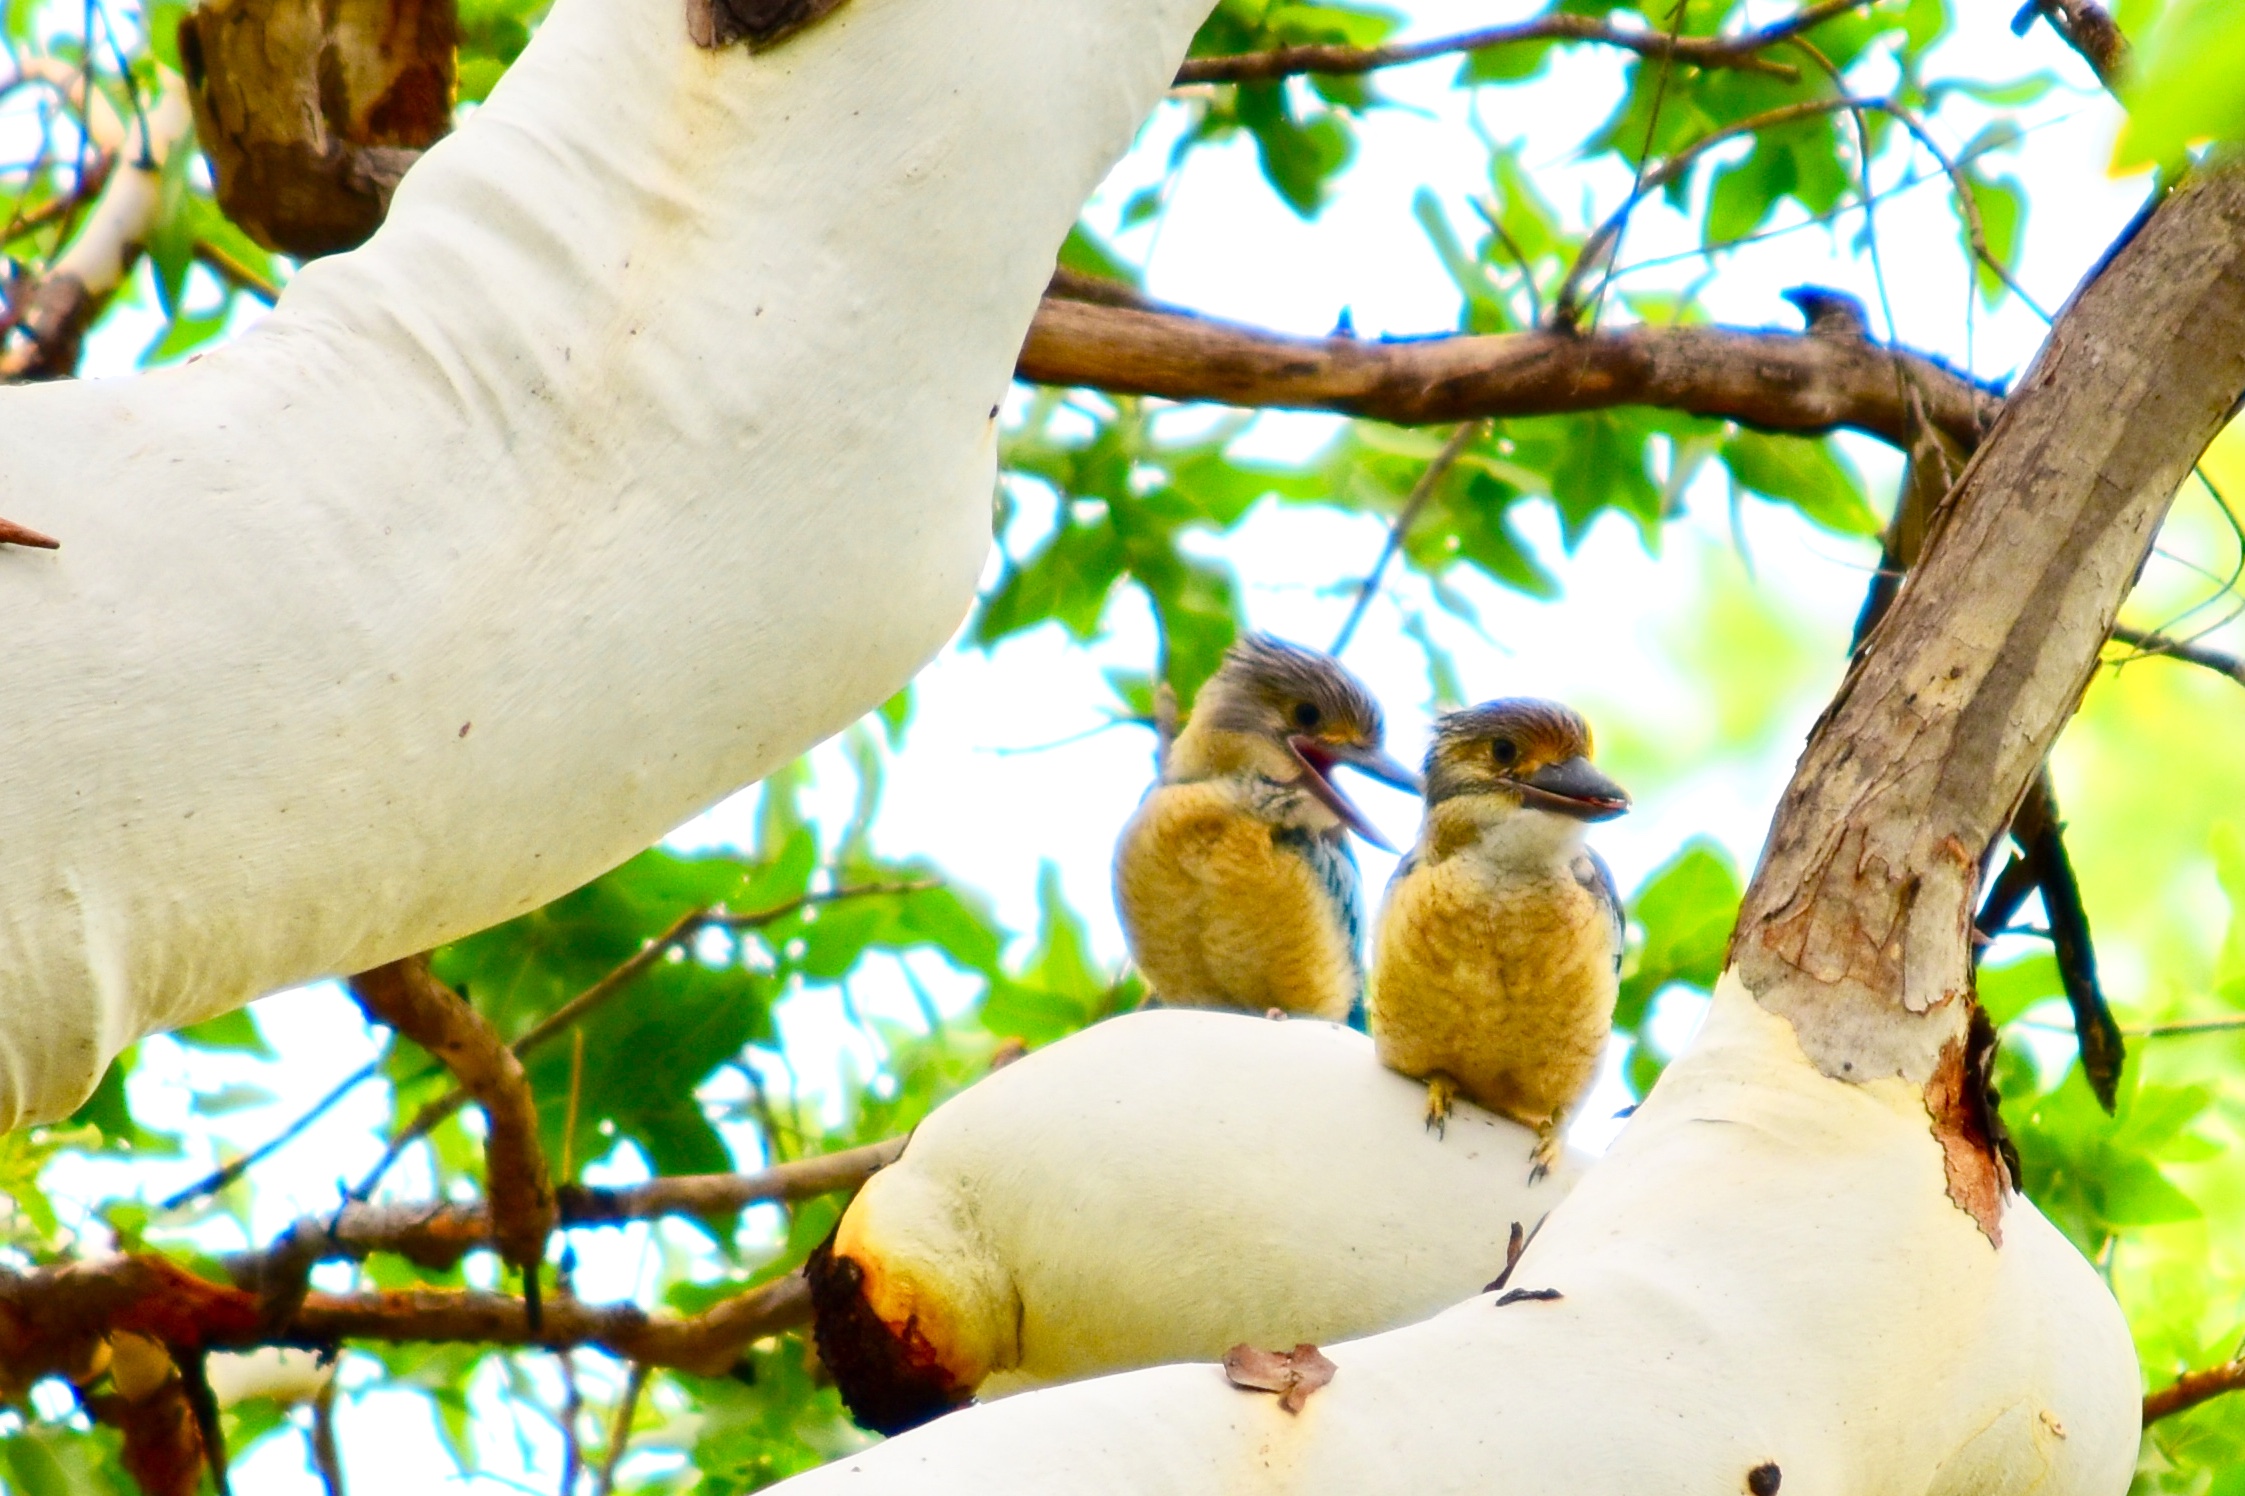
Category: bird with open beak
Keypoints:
(1234, 879)
(1498, 953)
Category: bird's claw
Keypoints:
(1441, 1092)
(1550, 1143)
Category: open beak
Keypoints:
(1574, 789)
(1318, 759)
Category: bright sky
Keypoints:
(1620, 643)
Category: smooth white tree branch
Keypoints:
(651, 440)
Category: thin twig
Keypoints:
(327, 1455)
(685, 927)
(572, 1415)
(619, 1430)
(1606, 238)
(219, 1178)
(437, 1234)
(2193, 1388)
(1421, 491)
(2184, 1027)
(1741, 52)
(230, 269)
(1563, 308)
(62, 204)
(2145, 642)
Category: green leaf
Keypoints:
(2181, 88)
(235, 1031)
(1485, 310)
(2009, 990)
(1806, 472)
(1513, 62)
(1087, 254)
(1686, 908)
(2003, 211)
(2228, 845)
(229, 1099)
(1060, 989)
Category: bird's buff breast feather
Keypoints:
(1506, 987)
(1220, 914)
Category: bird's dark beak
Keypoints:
(1318, 757)
(1573, 788)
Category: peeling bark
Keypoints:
(1855, 925)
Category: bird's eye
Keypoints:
(1505, 751)
(1307, 716)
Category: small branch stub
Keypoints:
(760, 23)
(12, 533)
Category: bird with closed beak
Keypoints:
(1498, 953)
(1234, 878)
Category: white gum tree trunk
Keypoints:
(1801, 1269)
(1270, 1182)
(650, 441)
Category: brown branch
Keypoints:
(2085, 26)
(437, 1235)
(685, 927)
(2193, 1388)
(707, 1344)
(1775, 381)
(52, 317)
(1344, 61)
(53, 1320)
(2146, 642)
(408, 997)
(1100, 290)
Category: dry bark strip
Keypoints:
(1855, 924)
(407, 996)
(1775, 381)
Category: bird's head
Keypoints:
(1502, 759)
(1290, 715)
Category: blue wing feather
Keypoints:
(1335, 866)
(1592, 873)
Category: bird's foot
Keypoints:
(1551, 1142)
(1441, 1092)
(1277, 1014)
